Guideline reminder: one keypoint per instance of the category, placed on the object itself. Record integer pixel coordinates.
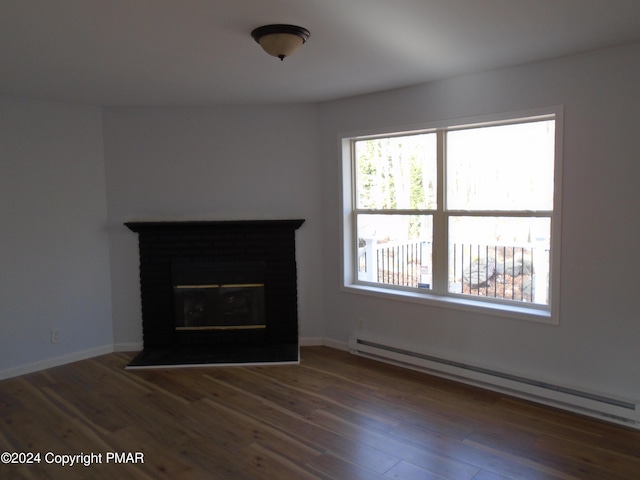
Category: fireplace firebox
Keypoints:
(218, 292)
(218, 295)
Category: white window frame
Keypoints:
(438, 295)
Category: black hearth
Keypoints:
(218, 292)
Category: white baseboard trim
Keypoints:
(328, 342)
(128, 347)
(54, 362)
(323, 342)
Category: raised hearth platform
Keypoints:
(204, 356)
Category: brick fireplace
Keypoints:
(218, 292)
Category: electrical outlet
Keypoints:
(55, 336)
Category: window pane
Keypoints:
(395, 249)
(506, 167)
(396, 172)
(500, 257)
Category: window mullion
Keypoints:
(354, 211)
(439, 274)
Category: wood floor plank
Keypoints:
(323, 439)
(483, 458)
(333, 416)
(446, 466)
(338, 468)
(259, 434)
(408, 471)
(268, 463)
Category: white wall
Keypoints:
(54, 260)
(210, 164)
(596, 344)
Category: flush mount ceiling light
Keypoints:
(280, 40)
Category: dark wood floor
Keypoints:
(334, 416)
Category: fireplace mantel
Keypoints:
(165, 244)
(190, 225)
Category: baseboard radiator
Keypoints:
(625, 412)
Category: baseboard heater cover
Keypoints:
(615, 410)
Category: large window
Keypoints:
(465, 214)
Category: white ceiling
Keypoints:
(200, 52)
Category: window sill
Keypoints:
(518, 312)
